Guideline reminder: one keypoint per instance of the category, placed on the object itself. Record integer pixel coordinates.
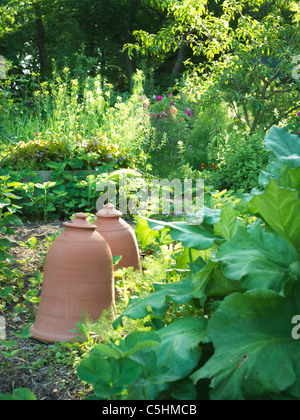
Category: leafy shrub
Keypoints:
(237, 163)
(209, 124)
(172, 119)
(8, 218)
(293, 123)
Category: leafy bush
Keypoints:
(172, 119)
(66, 193)
(209, 124)
(236, 163)
(230, 333)
(8, 218)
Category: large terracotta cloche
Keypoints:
(78, 281)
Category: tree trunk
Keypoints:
(179, 60)
(41, 39)
(130, 66)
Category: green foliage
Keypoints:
(66, 192)
(172, 120)
(255, 355)
(83, 129)
(8, 218)
(210, 127)
(245, 52)
(235, 299)
(32, 34)
(42, 155)
(12, 351)
(140, 366)
(19, 394)
(236, 162)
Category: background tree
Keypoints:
(244, 53)
(84, 35)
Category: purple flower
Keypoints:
(116, 160)
(109, 155)
(298, 114)
(123, 157)
(188, 112)
(159, 98)
(172, 103)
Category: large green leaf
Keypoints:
(280, 209)
(259, 259)
(229, 222)
(201, 278)
(284, 146)
(198, 237)
(290, 178)
(145, 235)
(154, 377)
(285, 152)
(180, 344)
(108, 376)
(110, 368)
(255, 353)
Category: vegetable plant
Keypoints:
(229, 335)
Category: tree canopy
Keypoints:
(243, 52)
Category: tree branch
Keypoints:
(276, 92)
(284, 115)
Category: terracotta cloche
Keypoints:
(78, 281)
(119, 235)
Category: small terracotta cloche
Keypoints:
(119, 235)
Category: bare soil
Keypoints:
(44, 369)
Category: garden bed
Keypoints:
(44, 369)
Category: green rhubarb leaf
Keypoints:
(290, 178)
(145, 235)
(229, 222)
(256, 258)
(284, 151)
(284, 146)
(255, 354)
(198, 237)
(180, 345)
(280, 209)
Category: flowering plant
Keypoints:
(167, 106)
